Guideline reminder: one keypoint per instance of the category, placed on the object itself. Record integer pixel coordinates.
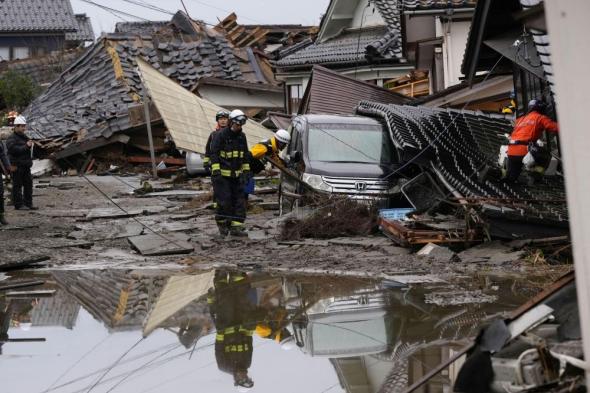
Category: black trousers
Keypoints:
(1, 193)
(514, 167)
(231, 203)
(22, 187)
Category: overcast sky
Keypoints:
(305, 12)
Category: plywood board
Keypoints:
(189, 118)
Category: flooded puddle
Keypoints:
(222, 331)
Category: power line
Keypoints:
(225, 10)
(113, 10)
(149, 6)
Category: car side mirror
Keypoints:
(295, 156)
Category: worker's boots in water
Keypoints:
(3, 219)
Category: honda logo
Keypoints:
(360, 186)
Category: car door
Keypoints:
(289, 186)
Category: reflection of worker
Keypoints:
(5, 315)
(4, 171)
(20, 152)
(528, 129)
(222, 119)
(230, 169)
(234, 314)
(268, 148)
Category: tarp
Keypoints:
(189, 118)
(178, 292)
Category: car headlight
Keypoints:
(316, 182)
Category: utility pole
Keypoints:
(569, 35)
(148, 122)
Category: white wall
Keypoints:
(366, 16)
(567, 22)
(228, 97)
(455, 34)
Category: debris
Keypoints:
(409, 233)
(42, 167)
(173, 194)
(112, 213)
(165, 244)
(25, 262)
(457, 298)
(24, 284)
(493, 252)
(364, 242)
(437, 253)
(31, 294)
(269, 205)
(340, 217)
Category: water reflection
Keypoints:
(143, 331)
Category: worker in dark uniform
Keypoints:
(528, 129)
(20, 153)
(230, 168)
(4, 170)
(222, 119)
(234, 314)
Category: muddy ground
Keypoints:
(64, 230)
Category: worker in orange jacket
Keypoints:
(528, 129)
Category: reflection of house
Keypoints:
(58, 310)
(383, 42)
(38, 27)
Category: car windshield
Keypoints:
(364, 143)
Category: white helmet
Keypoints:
(238, 117)
(283, 136)
(20, 120)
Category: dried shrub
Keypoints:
(332, 218)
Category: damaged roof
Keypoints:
(462, 149)
(140, 28)
(43, 69)
(354, 46)
(96, 92)
(37, 16)
(437, 4)
(375, 43)
(84, 31)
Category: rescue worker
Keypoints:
(222, 120)
(528, 129)
(4, 170)
(230, 168)
(268, 148)
(234, 315)
(20, 153)
(510, 108)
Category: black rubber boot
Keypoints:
(238, 232)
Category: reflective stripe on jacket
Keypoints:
(528, 129)
(229, 153)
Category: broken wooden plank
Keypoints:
(91, 145)
(18, 285)
(165, 244)
(173, 193)
(31, 294)
(112, 213)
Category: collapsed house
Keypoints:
(458, 156)
(98, 100)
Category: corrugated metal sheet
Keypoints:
(189, 118)
(329, 92)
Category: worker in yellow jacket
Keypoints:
(268, 148)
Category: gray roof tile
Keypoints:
(84, 30)
(437, 4)
(37, 15)
(348, 47)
